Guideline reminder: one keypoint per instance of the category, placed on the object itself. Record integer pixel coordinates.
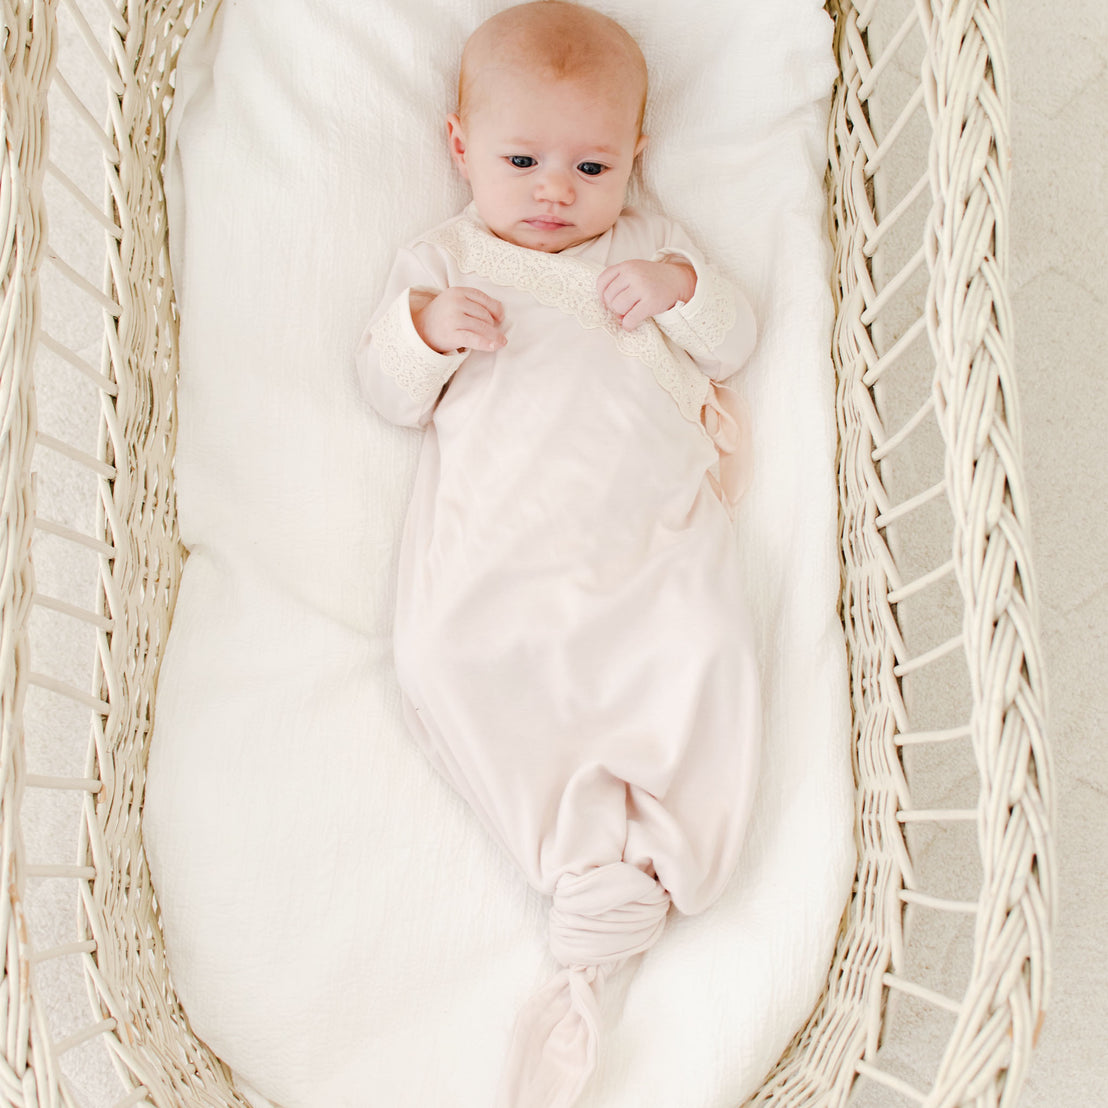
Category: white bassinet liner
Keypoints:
(341, 929)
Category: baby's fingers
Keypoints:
(621, 295)
(613, 281)
(481, 304)
(480, 336)
(470, 319)
(638, 313)
(481, 327)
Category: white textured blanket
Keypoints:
(342, 929)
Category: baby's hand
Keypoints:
(457, 319)
(636, 290)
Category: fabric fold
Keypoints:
(725, 418)
(598, 920)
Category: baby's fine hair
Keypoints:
(561, 39)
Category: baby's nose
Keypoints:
(555, 185)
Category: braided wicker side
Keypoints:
(819, 1067)
(969, 326)
(963, 312)
(27, 1074)
(128, 972)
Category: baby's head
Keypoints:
(549, 122)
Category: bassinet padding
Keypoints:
(291, 493)
(929, 466)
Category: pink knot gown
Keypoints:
(571, 637)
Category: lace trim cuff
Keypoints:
(420, 371)
(702, 324)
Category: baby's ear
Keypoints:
(456, 140)
(640, 146)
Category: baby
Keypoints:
(571, 637)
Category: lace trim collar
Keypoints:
(568, 283)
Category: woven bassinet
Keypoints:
(941, 970)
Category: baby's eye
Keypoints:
(522, 161)
(591, 169)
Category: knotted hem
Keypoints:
(725, 418)
(598, 920)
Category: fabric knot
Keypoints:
(606, 914)
(598, 919)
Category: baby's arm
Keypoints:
(708, 317)
(419, 335)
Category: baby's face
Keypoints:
(548, 160)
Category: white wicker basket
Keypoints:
(936, 991)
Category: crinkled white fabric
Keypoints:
(342, 929)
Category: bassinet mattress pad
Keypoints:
(341, 927)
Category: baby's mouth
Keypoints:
(547, 223)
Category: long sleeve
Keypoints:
(401, 375)
(716, 327)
